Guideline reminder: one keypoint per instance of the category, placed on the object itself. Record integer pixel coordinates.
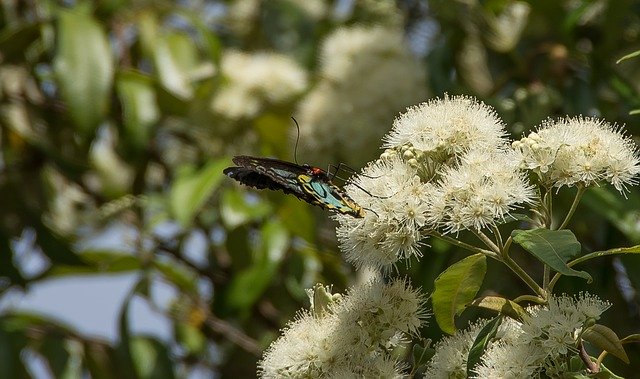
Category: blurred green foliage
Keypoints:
(106, 117)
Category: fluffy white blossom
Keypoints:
(580, 151)
(395, 204)
(256, 79)
(367, 75)
(450, 359)
(447, 166)
(305, 349)
(555, 326)
(543, 341)
(353, 338)
(448, 127)
(539, 345)
(504, 360)
(382, 310)
(479, 192)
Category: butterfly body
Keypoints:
(307, 183)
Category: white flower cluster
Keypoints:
(580, 151)
(450, 359)
(391, 229)
(448, 127)
(348, 336)
(541, 344)
(447, 167)
(367, 75)
(253, 79)
(479, 192)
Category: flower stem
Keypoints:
(507, 245)
(547, 208)
(545, 277)
(574, 206)
(592, 367)
(499, 242)
(506, 259)
(463, 245)
(533, 299)
(595, 254)
(487, 241)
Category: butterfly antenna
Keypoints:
(295, 149)
(344, 167)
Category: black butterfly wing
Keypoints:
(271, 166)
(268, 173)
(307, 184)
(251, 178)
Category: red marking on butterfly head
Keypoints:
(317, 171)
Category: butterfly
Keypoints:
(307, 183)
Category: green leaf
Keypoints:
(12, 342)
(455, 288)
(552, 247)
(148, 27)
(628, 56)
(20, 320)
(501, 305)
(192, 189)
(54, 246)
(190, 338)
(178, 275)
(248, 285)
(139, 107)
(577, 370)
(631, 338)
(237, 208)
(483, 338)
(605, 339)
(174, 55)
(422, 353)
(99, 262)
(605, 373)
(84, 68)
(151, 358)
(111, 261)
(519, 217)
